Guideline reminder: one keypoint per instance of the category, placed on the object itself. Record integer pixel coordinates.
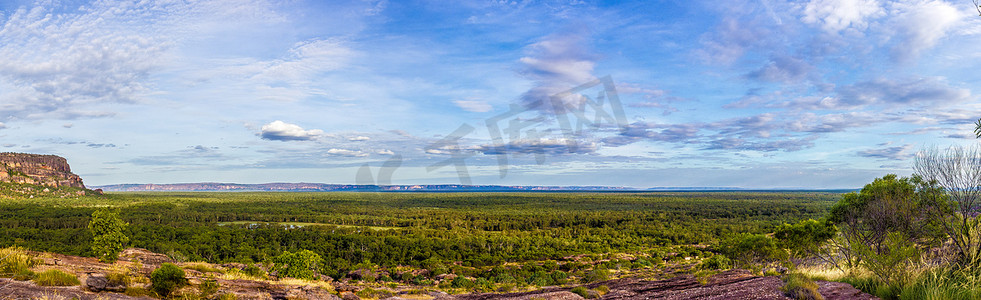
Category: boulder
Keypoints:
(361, 274)
(96, 283)
(349, 296)
(99, 283)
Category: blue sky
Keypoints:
(753, 94)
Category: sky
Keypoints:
(819, 94)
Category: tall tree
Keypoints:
(107, 229)
(957, 170)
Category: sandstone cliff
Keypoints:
(44, 170)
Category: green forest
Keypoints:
(474, 234)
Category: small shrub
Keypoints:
(462, 282)
(227, 297)
(407, 277)
(118, 279)
(208, 288)
(254, 271)
(800, 287)
(167, 278)
(24, 275)
(748, 249)
(603, 289)
(373, 293)
(135, 291)
(560, 277)
(16, 259)
(702, 276)
(176, 256)
(56, 278)
(202, 267)
(595, 275)
(585, 293)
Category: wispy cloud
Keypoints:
(783, 68)
(551, 146)
(555, 64)
(473, 105)
(56, 67)
(892, 153)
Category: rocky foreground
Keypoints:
(733, 284)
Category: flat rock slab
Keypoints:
(733, 284)
(12, 289)
(841, 291)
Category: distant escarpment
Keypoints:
(43, 170)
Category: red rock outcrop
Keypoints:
(44, 170)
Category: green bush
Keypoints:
(716, 262)
(302, 264)
(435, 267)
(462, 282)
(254, 271)
(407, 277)
(581, 291)
(752, 248)
(595, 275)
(806, 237)
(56, 278)
(167, 278)
(798, 286)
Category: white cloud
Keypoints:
(921, 25)
(359, 138)
(345, 152)
(282, 131)
(385, 152)
(473, 105)
(837, 15)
